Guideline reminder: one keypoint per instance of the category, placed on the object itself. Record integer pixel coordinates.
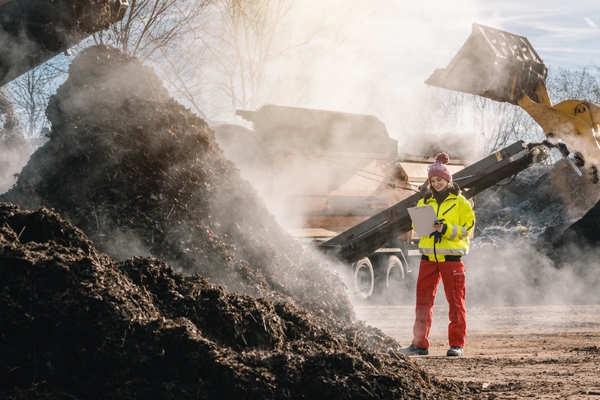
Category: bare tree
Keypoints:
(512, 123)
(30, 92)
(152, 25)
(180, 70)
(243, 43)
(580, 84)
(254, 50)
(493, 124)
(499, 124)
(14, 149)
(10, 135)
(159, 32)
(227, 54)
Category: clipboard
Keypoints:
(422, 218)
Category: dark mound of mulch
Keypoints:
(584, 232)
(577, 247)
(143, 176)
(76, 324)
(553, 213)
(539, 204)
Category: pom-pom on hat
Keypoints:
(438, 168)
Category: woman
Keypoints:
(441, 257)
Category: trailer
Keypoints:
(355, 245)
(337, 182)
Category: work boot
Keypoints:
(454, 351)
(414, 350)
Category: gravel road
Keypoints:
(542, 352)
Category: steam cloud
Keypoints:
(142, 175)
(390, 91)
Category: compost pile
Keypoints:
(143, 176)
(76, 324)
(537, 205)
(194, 290)
(550, 216)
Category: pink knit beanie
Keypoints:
(438, 168)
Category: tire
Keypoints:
(363, 278)
(394, 274)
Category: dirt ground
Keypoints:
(541, 352)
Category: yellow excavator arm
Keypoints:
(504, 67)
(574, 122)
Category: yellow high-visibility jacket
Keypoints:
(458, 218)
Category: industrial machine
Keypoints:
(348, 196)
(357, 243)
(366, 224)
(504, 67)
(338, 182)
(34, 31)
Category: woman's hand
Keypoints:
(438, 227)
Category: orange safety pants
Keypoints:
(452, 274)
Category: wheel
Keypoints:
(394, 274)
(363, 278)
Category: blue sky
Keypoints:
(565, 34)
(399, 43)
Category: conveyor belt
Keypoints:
(374, 233)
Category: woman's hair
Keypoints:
(427, 190)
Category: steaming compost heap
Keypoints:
(539, 204)
(76, 323)
(140, 174)
(543, 226)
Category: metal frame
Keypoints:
(374, 233)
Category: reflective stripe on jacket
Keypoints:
(458, 219)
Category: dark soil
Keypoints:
(536, 240)
(538, 352)
(76, 324)
(237, 309)
(51, 24)
(142, 175)
(585, 231)
(540, 203)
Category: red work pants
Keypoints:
(453, 276)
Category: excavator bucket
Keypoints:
(34, 31)
(494, 64)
